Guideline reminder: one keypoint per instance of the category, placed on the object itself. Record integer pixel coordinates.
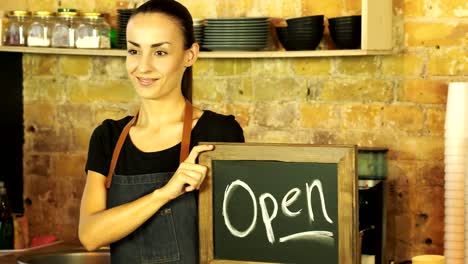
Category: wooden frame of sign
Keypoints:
(215, 245)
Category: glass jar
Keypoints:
(15, 32)
(40, 29)
(93, 32)
(63, 31)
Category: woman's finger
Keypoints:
(196, 151)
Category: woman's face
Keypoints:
(156, 58)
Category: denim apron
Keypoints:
(171, 234)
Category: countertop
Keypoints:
(10, 258)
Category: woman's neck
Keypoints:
(156, 113)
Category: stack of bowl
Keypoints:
(301, 33)
(346, 31)
(198, 26)
(123, 17)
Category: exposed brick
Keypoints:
(75, 66)
(435, 121)
(423, 91)
(69, 166)
(283, 8)
(39, 165)
(45, 90)
(320, 116)
(323, 7)
(281, 115)
(451, 61)
(81, 137)
(357, 90)
(280, 89)
(358, 65)
(277, 135)
(442, 8)
(100, 91)
(40, 115)
(109, 68)
(361, 117)
(435, 34)
(115, 112)
(209, 89)
(45, 65)
(74, 115)
(202, 67)
(241, 112)
(419, 148)
(58, 140)
(407, 64)
(240, 89)
(311, 66)
(398, 118)
(264, 68)
(411, 8)
(431, 173)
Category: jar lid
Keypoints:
(92, 15)
(67, 14)
(66, 10)
(20, 13)
(43, 13)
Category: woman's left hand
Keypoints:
(189, 176)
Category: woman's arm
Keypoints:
(100, 226)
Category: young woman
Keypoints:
(140, 193)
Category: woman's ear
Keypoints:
(191, 55)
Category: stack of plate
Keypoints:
(246, 33)
(198, 26)
(123, 17)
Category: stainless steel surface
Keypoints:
(81, 257)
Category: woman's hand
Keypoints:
(189, 176)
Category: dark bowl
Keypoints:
(294, 41)
(318, 19)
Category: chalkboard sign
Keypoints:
(279, 203)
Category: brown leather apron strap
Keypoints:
(117, 148)
(186, 132)
(185, 145)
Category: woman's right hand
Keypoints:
(189, 175)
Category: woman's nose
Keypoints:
(144, 65)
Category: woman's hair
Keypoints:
(183, 17)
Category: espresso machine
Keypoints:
(372, 170)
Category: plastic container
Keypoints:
(15, 32)
(6, 220)
(63, 31)
(40, 29)
(93, 32)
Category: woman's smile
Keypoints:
(146, 81)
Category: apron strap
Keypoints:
(185, 145)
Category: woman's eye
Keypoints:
(160, 53)
(132, 52)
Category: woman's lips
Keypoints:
(146, 81)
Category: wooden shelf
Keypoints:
(203, 54)
(376, 39)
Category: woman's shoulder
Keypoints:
(112, 127)
(219, 127)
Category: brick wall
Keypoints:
(396, 101)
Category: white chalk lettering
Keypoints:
(318, 184)
(288, 201)
(289, 198)
(227, 196)
(268, 218)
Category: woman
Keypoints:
(140, 192)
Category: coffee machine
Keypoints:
(372, 169)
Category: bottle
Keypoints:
(6, 220)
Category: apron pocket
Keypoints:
(158, 242)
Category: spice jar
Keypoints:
(39, 31)
(63, 31)
(93, 32)
(15, 32)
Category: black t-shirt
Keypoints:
(211, 127)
